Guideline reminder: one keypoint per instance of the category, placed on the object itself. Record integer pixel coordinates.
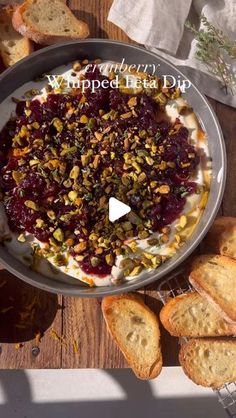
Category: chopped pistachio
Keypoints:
(84, 119)
(153, 241)
(171, 164)
(164, 189)
(58, 124)
(127, 263)
(70, 150)
(79, 248)
(134, 218)
(96, 161)
(51, 214)
(93, 237)
(21, 238)
(35, 125)
(39, 223)
(74, 174)
(162, 166)
(143, 235)
(153, 184)
(143, 134)
(53, 242)
(109, 259)
(98, 135)
(32, 205)
(137, 270)
(149, 160)
(156, 260)
(72, 195)
(84, 160)
(132, 101)
(28, 112)
(33, 162)
(142, 177)
(18, 176)
(95, 261)
(126, 115)
(137, 167)
(58, 234)
(147, 255)
(79, 257)
(125, 180)
(127, 226)
(132, 245)
(67, 183)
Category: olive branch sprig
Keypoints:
(215, 50)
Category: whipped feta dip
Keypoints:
(179, 230)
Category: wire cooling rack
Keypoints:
(176, 285)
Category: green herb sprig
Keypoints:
(215, 50)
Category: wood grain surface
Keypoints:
(72, 329)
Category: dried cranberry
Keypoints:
(20, 107)
(34, 185)
(101, 270)
(19, 215)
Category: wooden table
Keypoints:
(74, 334)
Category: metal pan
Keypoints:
(48, 58)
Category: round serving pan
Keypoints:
(48, 58)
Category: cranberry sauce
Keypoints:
(62, 159)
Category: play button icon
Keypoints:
(117, 209)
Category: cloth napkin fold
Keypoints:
(158, 23)
(160, 26)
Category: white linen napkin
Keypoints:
(159, 25)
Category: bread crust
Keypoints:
(188, 366)
(165, 315)
(7, 12)
(200, 284)
(217, 238)
(107, 303)
(172, 304)
(38, 37)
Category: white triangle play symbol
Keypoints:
(117, 209)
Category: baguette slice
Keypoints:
(214, 277)
(48, 22)
(209, 362)
(135, 329)
(221, 238)
(13, 46)
(191, 315)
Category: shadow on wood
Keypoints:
(24, 310)
(95, 30)
(170, 345)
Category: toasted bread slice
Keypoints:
(13, 46)
(221, 238)
(209, 362)
(48, 22)
(135, 329)
(191, 315)
(214, 277)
